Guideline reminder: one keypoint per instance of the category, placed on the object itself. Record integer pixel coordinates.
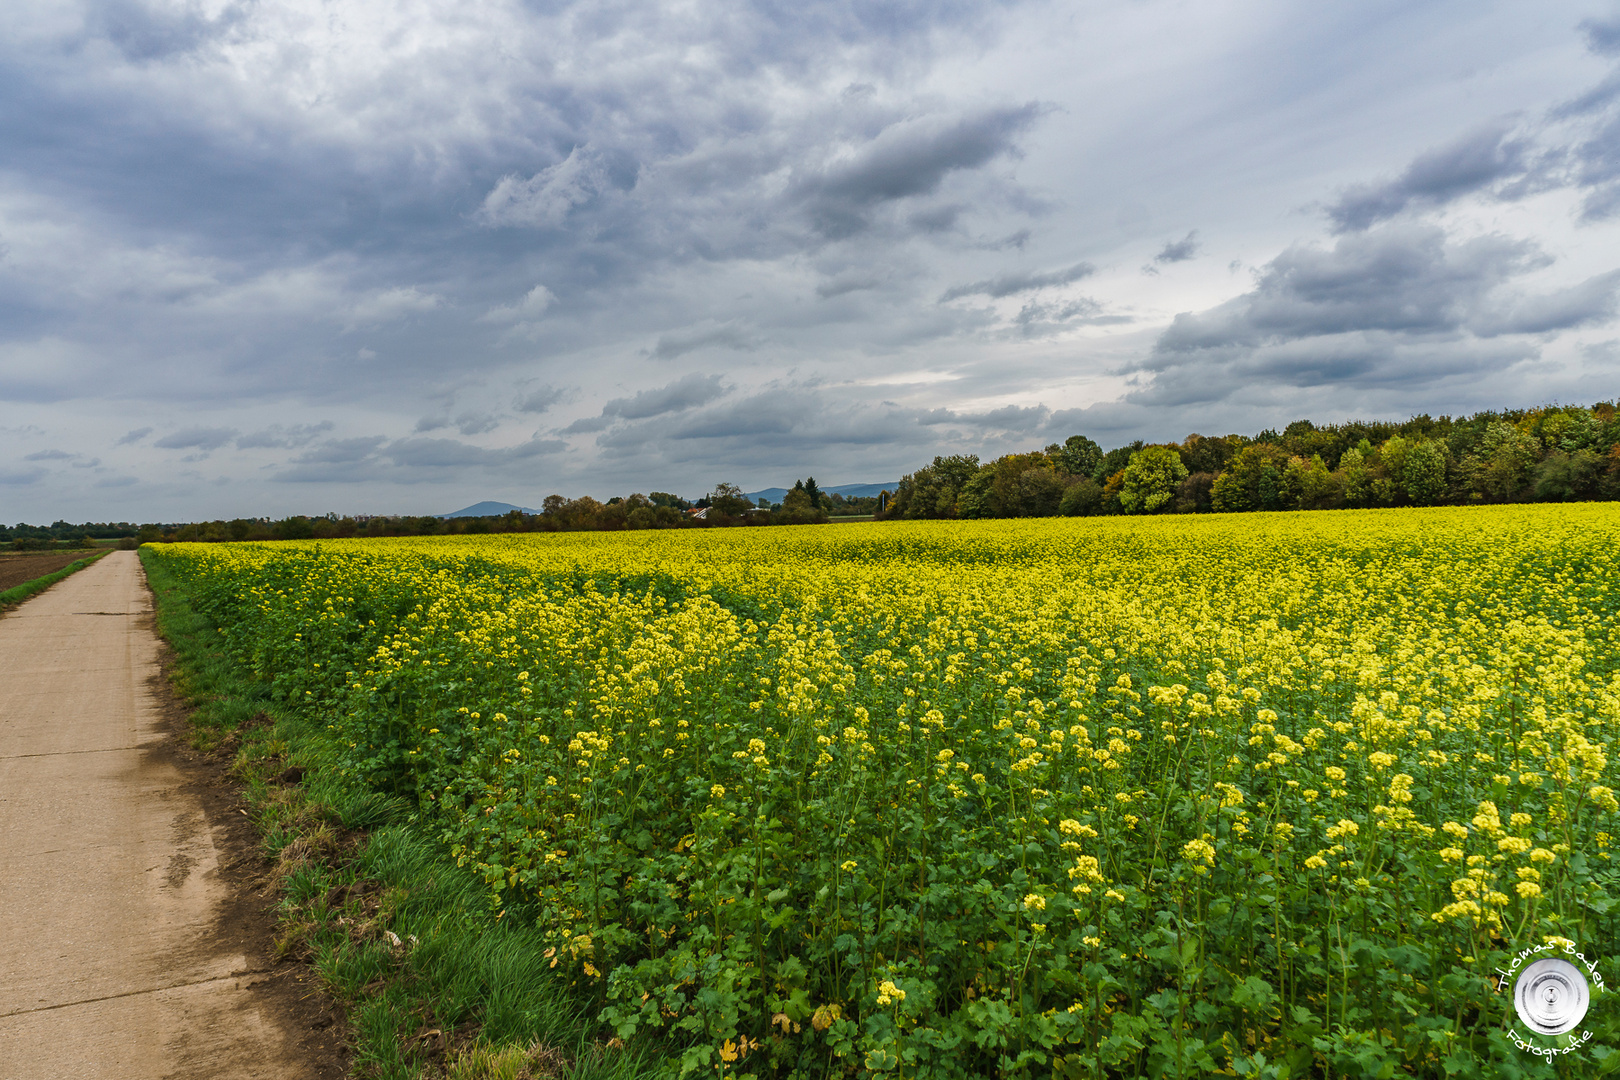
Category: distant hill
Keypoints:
(848, 491)
(488, 509)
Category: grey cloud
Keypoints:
(284, 438)
(936, 219)
(727, 335)
(201, 438)
(134, 436)
(21, 477)
(546, 199)
(1407, 280)
(1035, 319)
(448, 453)
(48, 455)
(1602, 34)
(1391, 307)
(587, 424)
(906, 159)
(1469, 164)
(476, 423)
(116, 482)
(373, 459)
(1588, 303)
(341, 451)
(843, 285)
(780, 420)
(1006, 418)
(432, 423)
(144, 33)
(543, 398)
(1019, 281)
(1179, 250)
(682, 394)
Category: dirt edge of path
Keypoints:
(291, 994)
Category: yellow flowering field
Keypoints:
(1267, 795)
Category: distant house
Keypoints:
(698, 513)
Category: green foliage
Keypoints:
(1078, 456)
(1151, 479)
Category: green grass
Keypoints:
(18, 593)
(400, 936)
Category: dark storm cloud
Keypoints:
(1390, 307)
(1469, 164)
(1018, 281)
(199, 438)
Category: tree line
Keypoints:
(1554, 453)
(726, 506)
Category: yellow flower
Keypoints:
(848, 866)
(1316, 862)
(1345, 827)
(718, 790)
(1034, 902)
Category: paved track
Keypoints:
(109, 891)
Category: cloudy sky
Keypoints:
(261, 257)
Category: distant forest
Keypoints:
(1547, 454)
(1555, 453)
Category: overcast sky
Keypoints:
(397, 256)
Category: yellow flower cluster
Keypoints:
(1418, 702)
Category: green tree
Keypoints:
(728, 499)
(1565, 477)
(1253, 480)
(1082, 498)
(797, 509)
(1309, 486)
(1151, 479)
(1423, 472)
(1078, 456)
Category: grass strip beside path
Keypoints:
(18, 593)
(435, 984)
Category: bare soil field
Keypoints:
(19, 567)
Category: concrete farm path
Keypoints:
(111, 959)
